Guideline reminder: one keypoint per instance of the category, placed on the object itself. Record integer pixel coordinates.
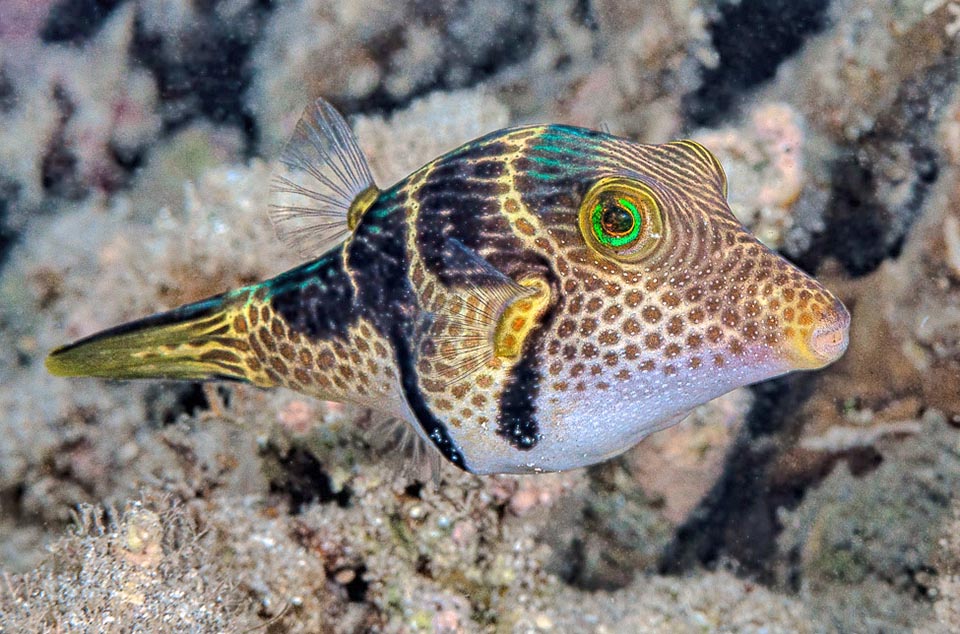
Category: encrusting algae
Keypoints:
(538, 299)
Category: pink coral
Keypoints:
(20, 20)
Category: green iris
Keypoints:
(616, 223)
(620, 219)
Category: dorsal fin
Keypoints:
(322, 183)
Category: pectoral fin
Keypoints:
(481, 321)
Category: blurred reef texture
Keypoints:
(135, 141)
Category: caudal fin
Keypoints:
(197, 341)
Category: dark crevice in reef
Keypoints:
(58, 171)
(584, 13)
(167, 402)
(204, 70)
(463, 65)
(752, 38)
(7, 238)
(738, 517)
(357, 587)
(303, 480)
(11, 497)
(8, 93)
(414, 490)
(76, 21)
(8, 195)
(879, 184)
(609, 535)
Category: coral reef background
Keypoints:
(135, 144)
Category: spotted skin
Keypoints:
(468, 302)
(711, 309)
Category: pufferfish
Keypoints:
(538, 299)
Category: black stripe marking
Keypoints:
(517, 422)
(435, 430)
(486, 169)
(377, 258)
(460, 200)
(316, 299)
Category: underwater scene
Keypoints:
(507, 316)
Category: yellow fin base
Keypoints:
(520, 317)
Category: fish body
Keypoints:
(538, 299)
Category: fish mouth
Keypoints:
(829, 341)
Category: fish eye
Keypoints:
(621, 218)
(616, 220)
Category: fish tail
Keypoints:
(198, 341)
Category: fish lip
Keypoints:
(829, 341)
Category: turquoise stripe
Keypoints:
(543, 176)
(548, 162)
(557, 149)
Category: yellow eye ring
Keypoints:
(621, 218)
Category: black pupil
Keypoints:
(617, 220)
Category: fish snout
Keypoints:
(827, 338)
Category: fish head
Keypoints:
(662, 299)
